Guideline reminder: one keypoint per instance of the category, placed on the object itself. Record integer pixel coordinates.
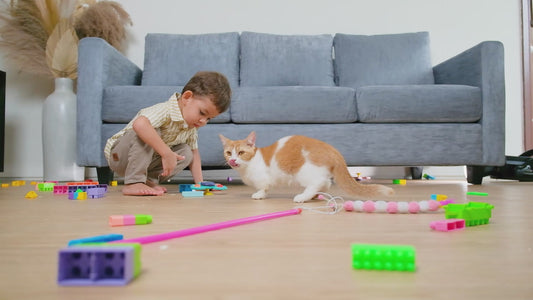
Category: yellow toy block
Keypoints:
(114, 183)
(4, 185)
(31, 195)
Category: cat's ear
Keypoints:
(223, 139)
(250, 140)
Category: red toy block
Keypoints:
(448, 225)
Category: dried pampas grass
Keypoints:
(41, 36)
(104, 18)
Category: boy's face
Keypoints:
(197, 110)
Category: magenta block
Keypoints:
(448, 225)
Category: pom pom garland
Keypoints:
(391, 207)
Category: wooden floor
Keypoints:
(305, 256)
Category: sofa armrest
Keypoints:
(482, 66)
(99, 66)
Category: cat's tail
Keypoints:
(349, 185)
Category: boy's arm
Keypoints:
(196, 167)
(146, 132)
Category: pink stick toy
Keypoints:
(195, 230)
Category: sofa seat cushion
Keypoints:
(419, 104)
(172, 59)
(362, 60)
(122, 103)
(293, 104)
(286, 60)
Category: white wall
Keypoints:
(454, 26)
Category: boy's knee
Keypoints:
(186, 151)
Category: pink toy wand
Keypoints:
(195, 230)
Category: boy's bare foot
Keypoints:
(140, 189)
(155, 186)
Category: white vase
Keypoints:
(59, 134)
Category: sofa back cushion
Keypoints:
(286, 60)
(392, 59)
(172, 59)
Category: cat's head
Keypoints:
(238, 153)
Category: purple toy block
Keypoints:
(448, 224)
(96, 265)
(96, 192)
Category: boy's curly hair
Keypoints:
(212, 84)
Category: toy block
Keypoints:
(474, 213)
(114, 183)
(428, 177)
(96, 193)
(103, 264)
(185, 188)
(77, 195)
(383, 257)
(18, 182)
(211, 186)
(448, 225)
(97, 239)
(123, 220)
(477, 194)
(46, 186)
(31, 195)
(399, 181)
(438, 197)
(60, 189)
(82, 183)
(192, 193)
(5, 185)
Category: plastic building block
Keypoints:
(185, 188)
(114, 183)
(429, 177)
(214, 187)
(77, 195)
(60, 189)
(383, 257)
(5, 185)
(97, 239)
(448, 225)
(446, 202)
(438, 197)
(399, 181)
(192, 193)
(46, 186)
(82, 183)
(474, 213)
(104, 264)
(477, 194)
(18, 182)
(31, 195)
(121, 220)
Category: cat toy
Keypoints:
(392, 207)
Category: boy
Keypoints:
(162, 139)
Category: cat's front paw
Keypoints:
(259, 195)
(300, 198)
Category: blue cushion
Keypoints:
(286, 60)
(293, 104)
(172, 59)
(122, 103)
(438, 103)
(383, 59)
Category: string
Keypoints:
(334, 204)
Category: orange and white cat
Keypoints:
(295, 159)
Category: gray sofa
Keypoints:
(376, 98)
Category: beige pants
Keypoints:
(136, 161)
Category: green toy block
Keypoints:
(474, 213)
(46, 186)
(383, 257)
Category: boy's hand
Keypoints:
(169, 162)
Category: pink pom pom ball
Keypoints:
(348, 206)
(413, 207)
(392, 207)
(369, 206)
(433, 205)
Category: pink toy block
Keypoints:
(60, 189)
(448, 225)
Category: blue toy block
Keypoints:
(192, 194)
(97, 239)
(105, 264)
(185, 188)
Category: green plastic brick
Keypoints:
(383, 257)
(474, 213)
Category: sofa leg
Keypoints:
(416, 172)
(475, 174)
(105, 175)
